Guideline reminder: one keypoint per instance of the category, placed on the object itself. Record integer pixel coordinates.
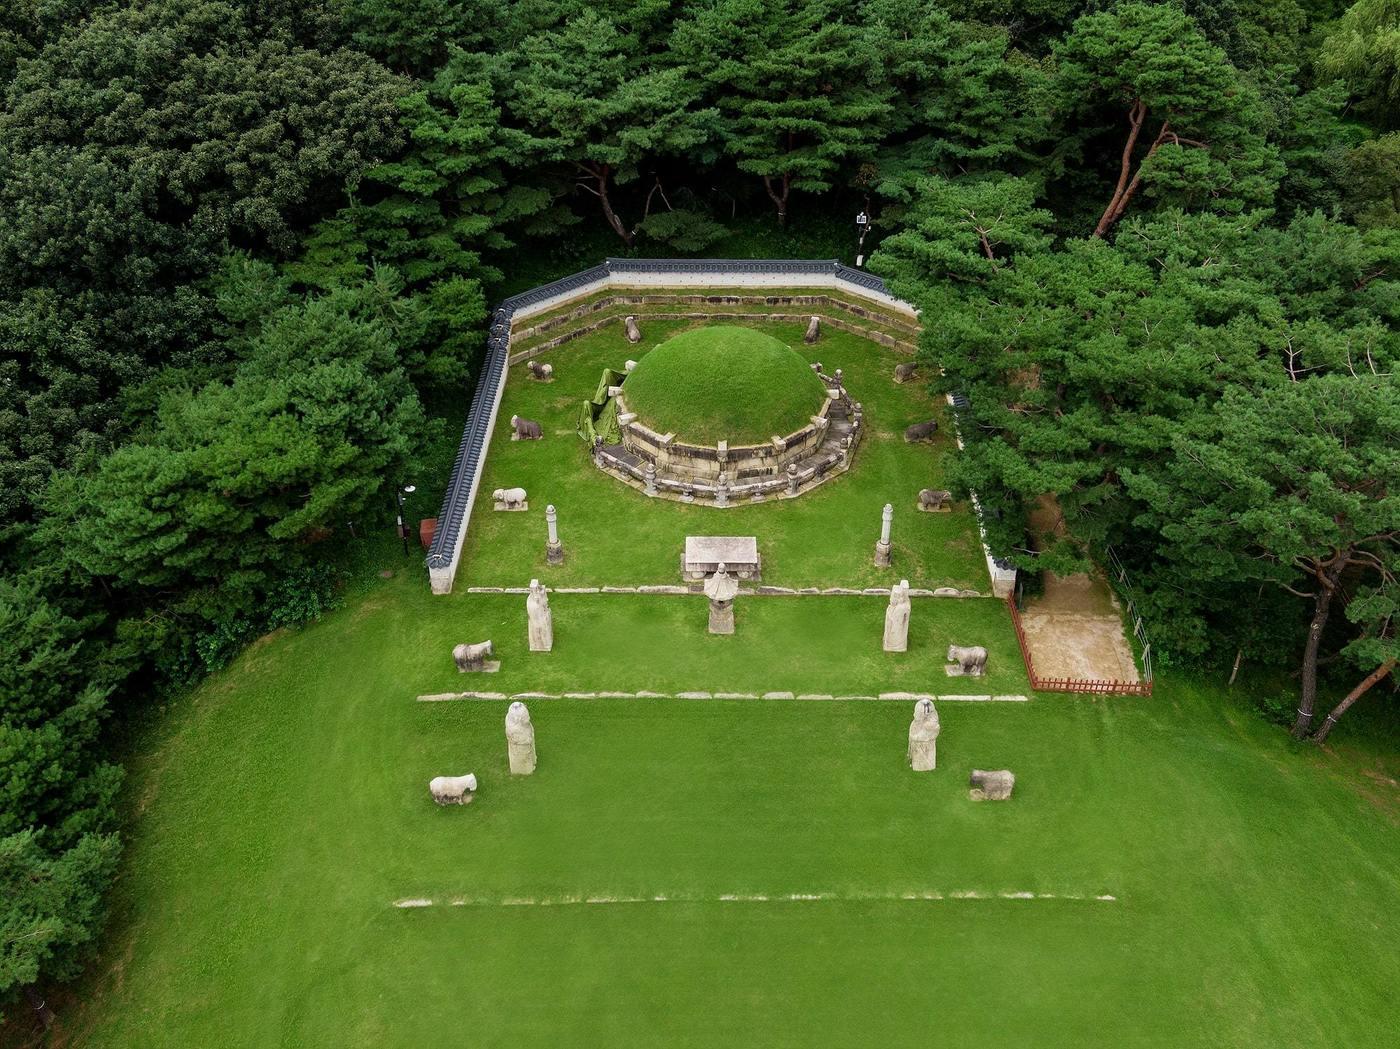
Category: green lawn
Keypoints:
(282, 808)
(615, 535)
(723, 382)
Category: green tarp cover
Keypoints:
(597, 417)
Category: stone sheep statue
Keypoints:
(540, 372)
(510, 499)
(904, 372)
(970, 661)
(934, 500)
(921, 431)
(453, 790)
(991, 786)
(813, 330)
(526, 429)
(472, 658)
(634, 333)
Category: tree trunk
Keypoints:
(40, 1007)
(602, 175)
(781, 200)
(1327, 580)
(1320, 736)
(1136, 115)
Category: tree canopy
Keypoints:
(247, 249)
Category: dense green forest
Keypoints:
(247, 249)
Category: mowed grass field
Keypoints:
(615, 535)
(281, 809)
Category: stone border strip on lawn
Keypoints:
(760, 591)
(882, 697)
(927, 896)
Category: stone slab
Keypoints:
(705, 553)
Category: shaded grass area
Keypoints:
(723, 382)
(284, 807)
(615, 535)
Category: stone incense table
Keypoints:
(705, 553)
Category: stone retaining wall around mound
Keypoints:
(600, 320)
(883, 325)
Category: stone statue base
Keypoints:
(956, 670)
(491, 666)
(946, 508)
(923, 757)
(554, 553)
(882, 555)
(512, 508)
(464, 799)
(722, 618)
(522, 758)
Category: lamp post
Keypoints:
(862, 228)
(399, 493)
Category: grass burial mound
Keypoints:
(724, 383)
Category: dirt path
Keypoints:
(1075, 628)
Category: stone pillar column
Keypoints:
(882, 548)
(554, 550)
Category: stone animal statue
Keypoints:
(904, 372)
(472, 657)
(933, 499)
(817, 367)
(921, 431)
(453, 790)
(542, 372)
(991, 786)
(634, 333)
(526, 429)
(814, 327)
(512, 498)
(630, 366)
(971, 660)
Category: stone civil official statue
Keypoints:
(720, 588)
(541, 618)
(923, 737)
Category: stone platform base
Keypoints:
(491, 666)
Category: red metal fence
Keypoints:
(1070, 684)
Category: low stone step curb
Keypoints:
(760, 591)
(883, 697)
